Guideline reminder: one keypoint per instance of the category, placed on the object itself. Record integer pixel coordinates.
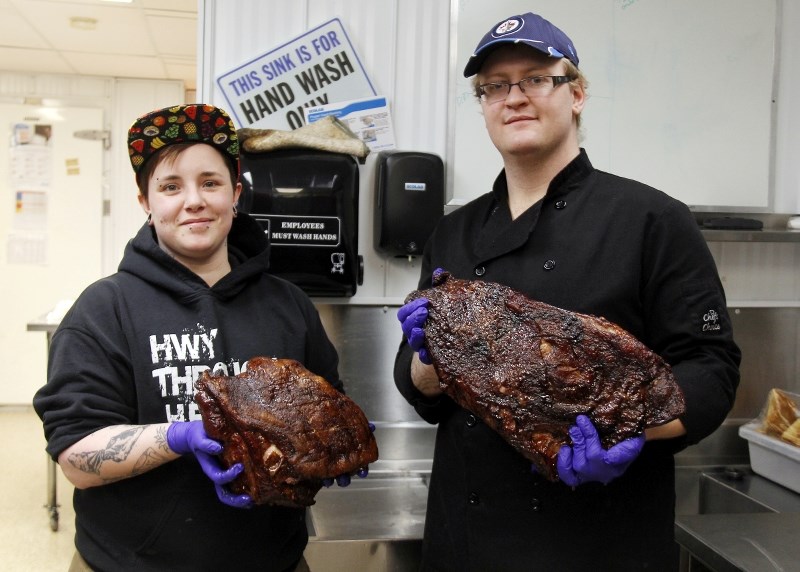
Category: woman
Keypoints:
(192, 293)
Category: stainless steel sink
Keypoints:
(374, 524)
(377, 507)
(735, 490)
(744, 522)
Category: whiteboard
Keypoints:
(680, 95)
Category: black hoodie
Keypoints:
(129, 352)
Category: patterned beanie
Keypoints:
(193, 123)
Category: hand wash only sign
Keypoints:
(317, 68)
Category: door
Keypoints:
(50, 229)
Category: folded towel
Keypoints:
(326, 134)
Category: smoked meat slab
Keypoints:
(289, 428)
(528, 369)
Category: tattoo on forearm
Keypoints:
(118, 450)
(149, 459)
(87, 462)
(161, 439)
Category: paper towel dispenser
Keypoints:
(307, 203)
(409, 201)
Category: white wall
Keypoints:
(83, 242)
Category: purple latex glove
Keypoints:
(412, 317)
(344, 480)
(586, 461)
(186, 437)
(436, 274)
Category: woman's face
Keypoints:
(191, 202)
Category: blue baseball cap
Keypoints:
(529, 29)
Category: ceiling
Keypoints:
(150, 39)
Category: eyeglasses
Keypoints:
(536, 86)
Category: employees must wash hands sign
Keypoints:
(317, 68)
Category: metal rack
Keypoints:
(45, 324)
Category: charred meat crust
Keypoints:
(289, 428)
(528, 369)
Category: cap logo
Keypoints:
(508, 27)
(527, 29)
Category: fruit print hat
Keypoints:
(192, 123)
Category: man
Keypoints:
(564, 233)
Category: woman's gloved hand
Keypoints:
(412, 317)
(186, 437)
(344, 480)
(586, 461)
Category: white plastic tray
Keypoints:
(772, 458)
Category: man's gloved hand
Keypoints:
(185, 437)
(587, 461)
(412, 317)
(344, 480)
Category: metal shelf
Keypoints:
(713, 235)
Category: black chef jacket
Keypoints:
(597, 244)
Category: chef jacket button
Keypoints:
(480, 271)
(560, 204)
(550, 264)
(474, 499)
(471, 421)
(536, 504)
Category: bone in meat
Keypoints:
(289, 427)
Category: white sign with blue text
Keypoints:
(369, 119)
(317, 68)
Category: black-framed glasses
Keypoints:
(535, 86)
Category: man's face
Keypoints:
(520, 124)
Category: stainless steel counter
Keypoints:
(742, 542)
(745, 523)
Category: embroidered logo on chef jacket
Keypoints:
(711, 321)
